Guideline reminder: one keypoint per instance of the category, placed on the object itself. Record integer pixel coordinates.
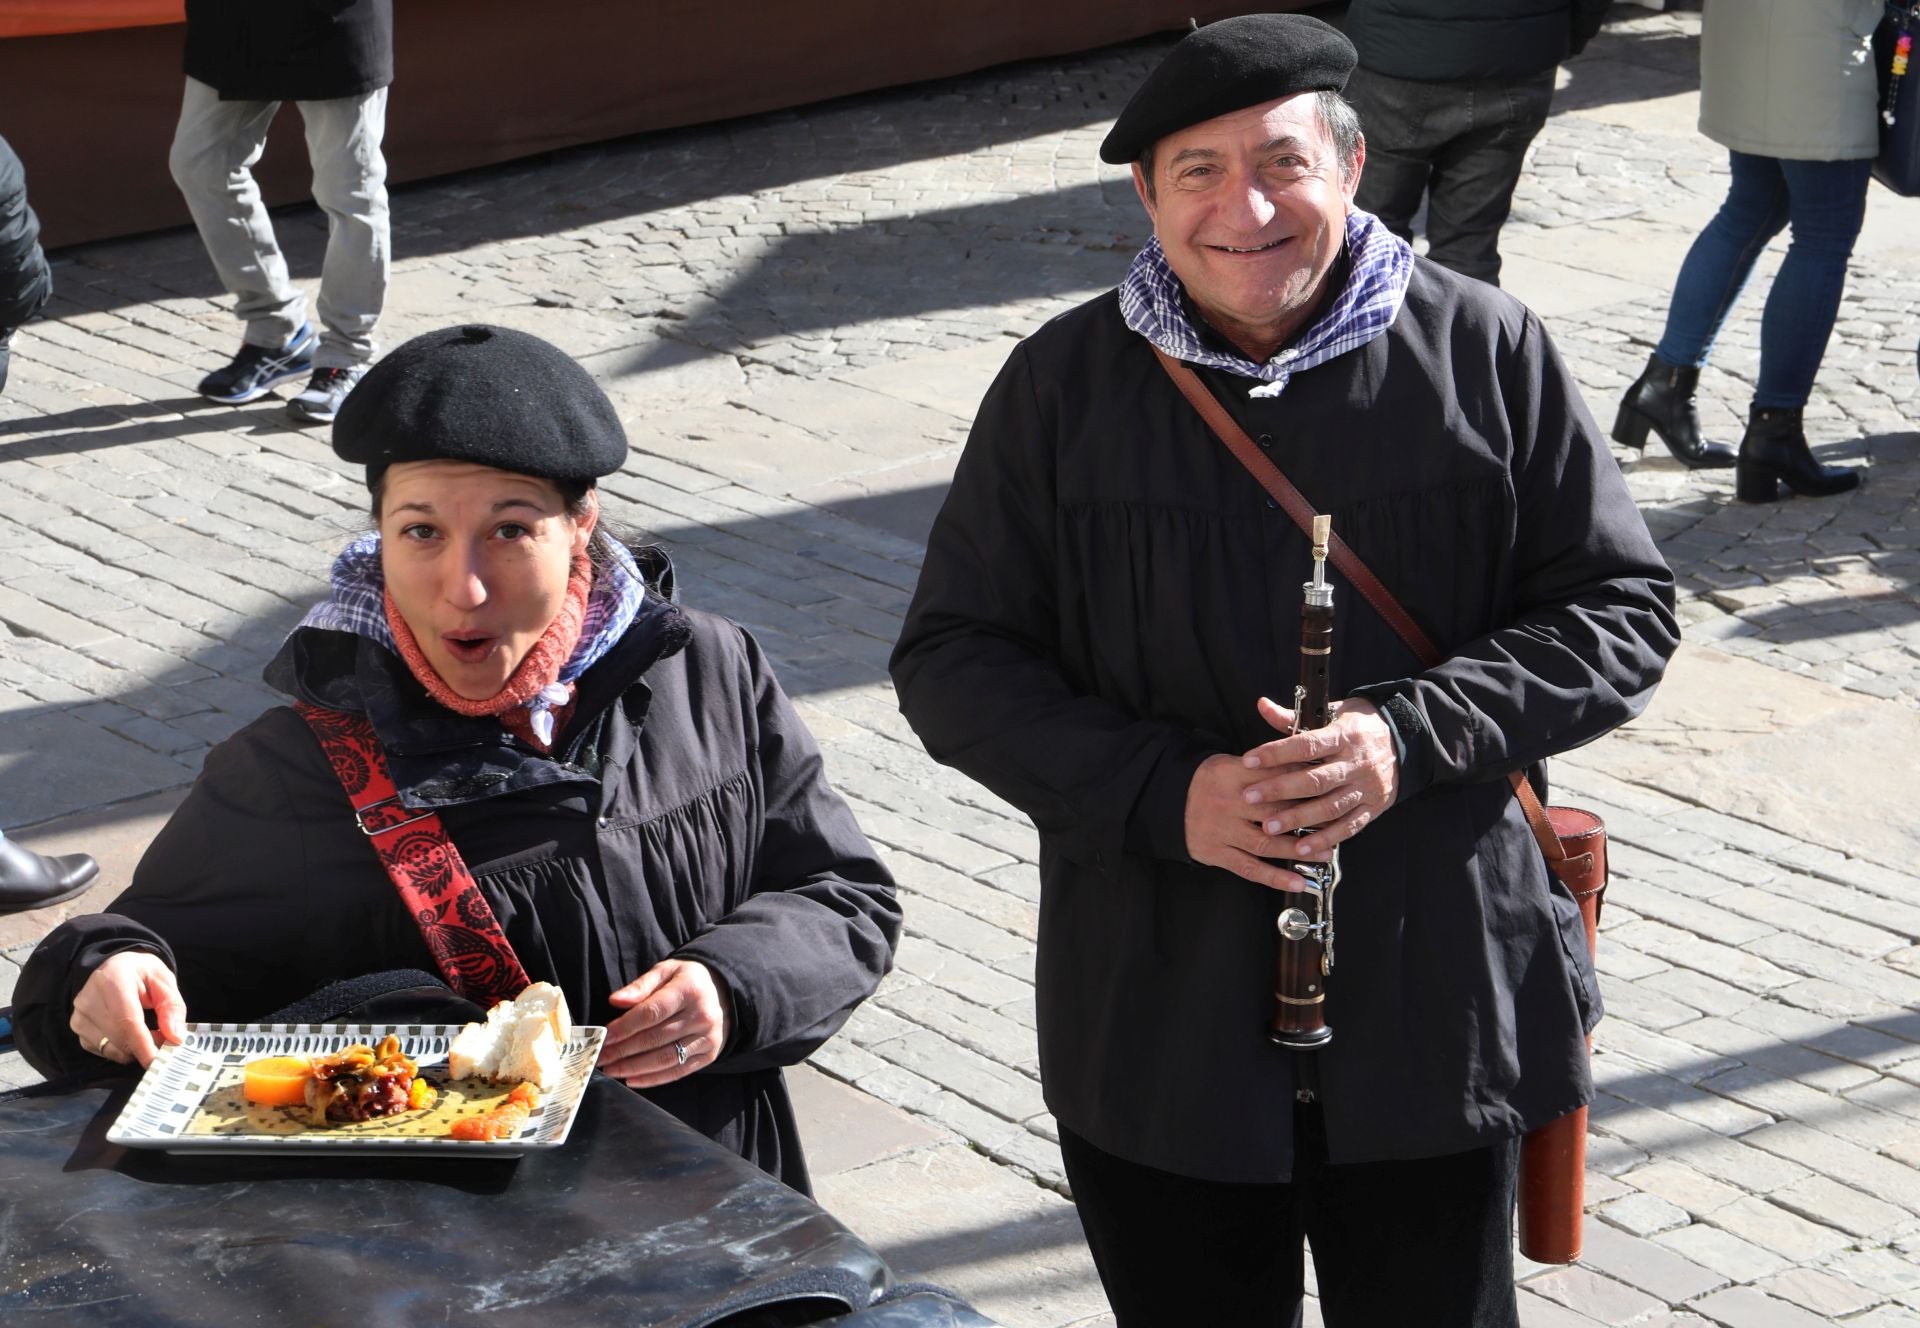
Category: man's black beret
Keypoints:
(1228, 66)
(486, 394)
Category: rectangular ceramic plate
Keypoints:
(189, 1100)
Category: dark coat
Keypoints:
(1106, 593)
(1444, 41)
(290, 50)
(25, 281)
(687, 817)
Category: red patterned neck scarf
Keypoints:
(534, 705)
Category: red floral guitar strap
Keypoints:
(454, 917)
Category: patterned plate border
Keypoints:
(181, 1076)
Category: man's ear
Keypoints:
(1140, 188)
(1359, 164)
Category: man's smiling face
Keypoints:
(1251, 210)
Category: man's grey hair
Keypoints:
(1337, 116)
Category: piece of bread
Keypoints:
(520, 1041)
(532, 1055)
(545, 998)
(476, 1052)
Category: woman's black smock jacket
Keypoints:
(1106, 593)
(687, 816)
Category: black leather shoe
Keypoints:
(1774, 452)
(28, 880)
(1661, 400)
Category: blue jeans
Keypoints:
(1825, 202)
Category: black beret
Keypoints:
(1228, 66)
(486, 394)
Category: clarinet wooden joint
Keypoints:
(1304, 958)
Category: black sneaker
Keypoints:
(257, 370)
(320, 402)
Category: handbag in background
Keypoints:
(1898, 164)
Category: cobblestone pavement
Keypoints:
(797, 313)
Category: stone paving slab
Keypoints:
(795, 315)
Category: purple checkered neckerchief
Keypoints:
(1381, 264)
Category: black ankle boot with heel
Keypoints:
(1775, 452)
(1661, 401)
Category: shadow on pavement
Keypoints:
(1618, 67)
(1762, 1063)
(652, 172)
(92, 428)
(1076, 239)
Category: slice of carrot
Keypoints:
(277, 1081)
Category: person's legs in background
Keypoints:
(1827, 201)
(1721, 259)
(350, 185)
(1711, 278)
(1458, 145)
(1476, 170)
(214, 149)
(1400, 121)
(26, 282)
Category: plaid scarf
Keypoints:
(358, 605)
(1365, 307)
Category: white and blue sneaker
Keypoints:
(257, 370)
(320, 402)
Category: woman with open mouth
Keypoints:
(589, 785)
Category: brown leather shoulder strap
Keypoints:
(1228, 430)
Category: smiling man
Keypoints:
(1109, 598)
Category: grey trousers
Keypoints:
(214, 150)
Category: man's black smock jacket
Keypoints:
(687, 815)
(290, 50)
(1105, 594)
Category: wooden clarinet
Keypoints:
(1305, 956)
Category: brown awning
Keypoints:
(40, 18)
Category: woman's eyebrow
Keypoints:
(505, 504)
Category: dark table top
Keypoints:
(636, 1220)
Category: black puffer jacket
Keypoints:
(25, 282)
(1442, 41)
(687, 815)
(290, 50)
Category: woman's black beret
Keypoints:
(485, 394)
(1228, 66)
